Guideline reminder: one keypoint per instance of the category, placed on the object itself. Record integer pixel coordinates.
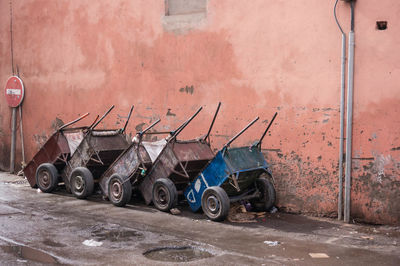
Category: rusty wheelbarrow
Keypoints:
(42, 171)
(234, 174)
(176, 166)
(132, 164)
(128, 170)
(97, 151)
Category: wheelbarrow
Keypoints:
(97, 151)
(234, 174)
(178, 163)
(42, 171)
(132, 164)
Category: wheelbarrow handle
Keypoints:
(73, 122)
(141, 133)
(106, 113)
(212, 123)
(179, 130)
(158, 133)
(127, 120)
(240, 133)
(173, 131)
(266, 130)
(97, 117)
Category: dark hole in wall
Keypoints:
(381, 25)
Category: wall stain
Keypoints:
(1, 123)
(57, 123)
(169, 113)
(378, 191)
(187, 89)
(275, 150)
(364, 159)
(40, 139)
(139, 127)
(311, 196)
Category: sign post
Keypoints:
(14, 93)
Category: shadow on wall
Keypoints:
(4, 149)
(4, 153)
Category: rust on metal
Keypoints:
(98, 150)
(131, 164)
(179, 160)
(57, 149)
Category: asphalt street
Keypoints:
(38, 228)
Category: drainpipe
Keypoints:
(349, 125)
(342, 99)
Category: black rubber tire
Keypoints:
(268, 195)
(119, 190)
(165, 195)
(215, 203)
(46, 177)
(82, 184)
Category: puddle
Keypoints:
(28, 253)
(177, 254)
(115, 235)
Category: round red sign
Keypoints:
(14, 91)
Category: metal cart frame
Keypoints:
(233, 175)
(177, 164)
(97, 151)
(52, 157)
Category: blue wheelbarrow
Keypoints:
(234, 174)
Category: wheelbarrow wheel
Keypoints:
(165, 195)
(215, 203)
(268, 195)
(46, 177)
(119, 190)
(82, 184)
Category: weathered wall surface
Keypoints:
(257, 58)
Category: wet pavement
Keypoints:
(38, 228)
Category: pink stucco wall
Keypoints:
(257, 58)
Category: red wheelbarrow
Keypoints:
(43, 169)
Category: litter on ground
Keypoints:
(318, 255)
(272, 243)
(92, 243)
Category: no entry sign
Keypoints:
(14, 91)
